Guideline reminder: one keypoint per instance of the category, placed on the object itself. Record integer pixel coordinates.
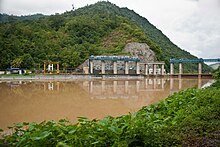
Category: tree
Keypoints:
(27, 61)
(17, 62)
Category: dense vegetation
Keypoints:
(189, 117)
(70, 38)
(11, 18)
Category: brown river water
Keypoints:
(36, 101)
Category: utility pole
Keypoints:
(73, 6)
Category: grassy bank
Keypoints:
(190, 117)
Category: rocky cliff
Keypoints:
(141, 50)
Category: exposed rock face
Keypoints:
(141, 50)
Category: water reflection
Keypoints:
(52, 100)
(52, 86)
(125, 89)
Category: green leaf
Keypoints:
(41, 136)
(19, 125)
(62, 144)
(25, 123)
(81, 117)
(63, 121)
(72, 131)
(95, 142)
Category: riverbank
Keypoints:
(187, 118)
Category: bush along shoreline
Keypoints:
(187, 118)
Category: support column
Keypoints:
(146, 69)
(180, 68)
(162, 69)
(44, 68)
(103, 67)
(137, 68)
(126, 67)
(114, 67)
(58, 68)
(91, 66)
(172, 69)
(200, 69)
(155, 69)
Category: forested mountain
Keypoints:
(11, 18)
(70, 38)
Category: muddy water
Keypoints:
(28, 101)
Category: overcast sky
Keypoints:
(193, 25)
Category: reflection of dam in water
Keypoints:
(117, 87)
(114, 89)
(125, 89)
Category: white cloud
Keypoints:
(26, 7)
(200, 31)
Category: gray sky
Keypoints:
(193, 25)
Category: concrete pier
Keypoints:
(162, 69)
(154, 69)
(171, 68)
(114, 67)
(126, 68)
(146, 69)
(137, 68)
(91, 66)
(103, 67)
(180, 68)
(200, 68)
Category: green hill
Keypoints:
(11, 18)
(70, 38)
